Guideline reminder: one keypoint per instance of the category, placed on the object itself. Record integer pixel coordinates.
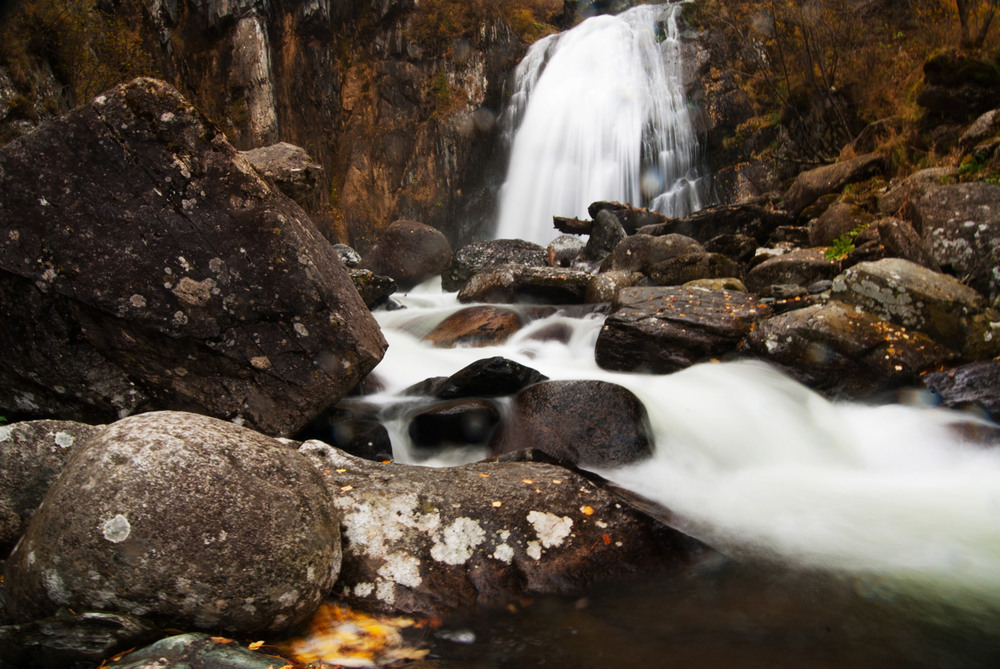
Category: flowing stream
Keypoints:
(599, 113)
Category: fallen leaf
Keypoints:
(483, 476)
(497, 503)
(255, 645)
(220, 639)
(607, 539)
(587, 510)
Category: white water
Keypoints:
(599, 113)
(756, 464)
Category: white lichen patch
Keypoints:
(195, 293)
(550, 528)
(534, 550)
(503, 551)
(137, 301)
(456, 542)
(5, 432)
(261, 362)
(55, 588)
(402, 569)
(301, 330)
(62, 439)
(386, 592)
(117, 529)
(364, 589)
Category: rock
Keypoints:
(639, 252)
(586, 423)
(801, 266)
(604, 287)
(73, 640)
(839, 219)
(352, 426)
(958, 87)
(973, 386)
(572, 226)
(737, 247)
(812, 184)
(479, 256)
(606, 233)
(485, 535)
(982, 129)
(915, 297)
(410, 253)
(374, 290)
(196, 651)
(725, 283)
(631, 218)
(902, 241)
(348, 256)
(533, 285)
(693, 266)
(32, 453)
(144, 264)
(564, 250)
(490, 377)
(960, 226)
(896, 201)
(662, 330)
(751, 220)
(289, 168)
(845, 352)
(475, 326)
(186, 520)
(461, 422)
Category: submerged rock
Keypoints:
(196, 651)
(587, 423)
(475, 326)
(186, 520)
(73, 640)
(490, 377)
(485, 535)
(144, 265)
(459, 422)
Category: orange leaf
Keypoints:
(221, 639)
(607, 539)
(255, 645)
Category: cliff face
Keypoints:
(402, 120)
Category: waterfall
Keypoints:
(599, 113)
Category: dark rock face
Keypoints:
(605, 235)
(374, 290)
(639, 252)
(484, 535)
(810, 186)
(144, 264)
(291, 169)
(490, 377)
(354, 427)
(960, 226)
(836, 349)
(189, 521)
(662, 330)
(475, 326)
(973, 386)
(839, 219)
(32, 454)
(902, 241)
(409, 253)
(692, 267)
(532, 285)
(958, 87)
(589, 423)
(69, 640)
(456, 423)
(196, 650)
(801, 267)
(478, 256)
(631, 218)
(751, 220)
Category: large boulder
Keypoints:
(187, 520)
(144, 264)
(483, 325)
(32, 453)
(409, 253)
(801, 267)
(960, 226)
(753, 220)
(291, 169)
(973, 386)
(485, 535)
(959, 87)
(589, 423)
(531, 285)
(809, 186)
(940, 306)
(663, 330)
(639, 252)
(478, 256)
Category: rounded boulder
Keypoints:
(186, 520)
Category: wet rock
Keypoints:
(289, 168)
(839, 219)
(737, 247)
(639, 252)
(845, 352)
(348, 256)
(354, 427)
(812, 184)
(753, 220)
(960, 226)
(902, 241)
(32, 454)
(374, 290)
(461, 422)
(479, 256)
(604, 287)
(691, 267)
(564, 250)
(73, 640)
(484, 535)
(662, 330)
(588, 423)
(725, 283)
(800, 266)
(975, 386)
(490, 377)
(915, 297)
(606, 233)
(631, 218)
(186, 520)
(533, 285)
(475, 326)
(410, 253)
(196, 651)
(146, 265)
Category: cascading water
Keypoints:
(599, 113)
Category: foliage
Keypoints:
(3, 420)
(437, 22)
(844, 244)
(975, 18)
